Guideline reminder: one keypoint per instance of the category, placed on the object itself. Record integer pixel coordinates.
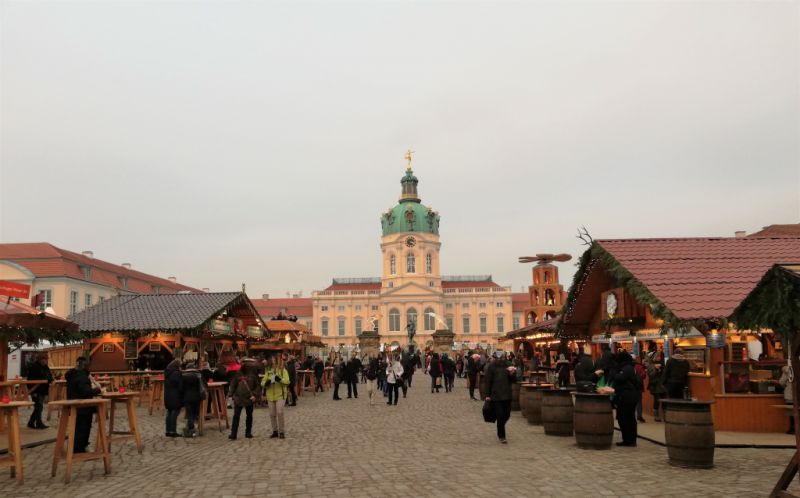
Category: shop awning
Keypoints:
(543, 326)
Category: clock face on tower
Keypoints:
(411, 241)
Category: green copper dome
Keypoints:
(410, 215)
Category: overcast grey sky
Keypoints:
(258, 142)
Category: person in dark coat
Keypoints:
(173, 402)
(497, 380)
(192, 393)
(585, 376)
(291, 367)
(39, 392)
(448, 372)
(435, 371)
(319, 370)
(627, 391)
(244, 391)
(473, 367)
(562, 371)
(339, 374)
(407, 363)
(353, 370)
(80, 386)
(676, 374)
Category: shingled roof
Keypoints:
(151, 312)
(694, 278)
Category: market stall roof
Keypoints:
(285, 326)
(20, 322)
(543, 326)
(682, 279)
(150, 312)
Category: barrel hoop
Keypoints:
(592, 413)
(685, 447)
(595, 433)
(683, 424)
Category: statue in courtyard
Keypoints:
(411, 329)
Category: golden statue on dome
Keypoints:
(408, 158)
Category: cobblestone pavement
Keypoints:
(428, 445)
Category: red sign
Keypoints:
(13, 289)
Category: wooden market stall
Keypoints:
(130, 336)
(661, 294)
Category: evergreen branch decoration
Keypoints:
(773, 304)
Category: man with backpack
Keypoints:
(372, 378)
(245, 392)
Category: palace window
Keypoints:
(394, 320)
(465, 324)
(358, 326)
(515, 322)
(501, 326)
(358, 307)
(87, 300)
(323, 308)
(411, 316)
(482, 322)
(428, 264)
(449, 306)
(341, 326)
(449, 322)
(411, 263)
(430, 321)
(324, 324)
(392, 264)
(340, 308)
(498, 305)
(73, 302)
(482, 305)
(374, 307)
(465, 306)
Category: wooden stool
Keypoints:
(58, 391)
(156, 394)
(10, 412)
(219, 410)
(66, 435)
(126, 398)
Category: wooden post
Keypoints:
(794, 464)
(3, 359)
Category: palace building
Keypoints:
(410, 289)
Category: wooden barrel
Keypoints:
(515, 396)
(531, 395)
(593, 421)
(557, 412)
(689, 433)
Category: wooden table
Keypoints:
(10, 412)
(219, 410)
(133, 424)
(66, 435)
(302, 375)
(21, 393)
(156, 394)
(58, 391)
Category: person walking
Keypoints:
(244, 391)
(291, 367)
(642, 373)
(394, 378)
(39, 392)
(473, 367)
(498, 377)
(81, 386)
(787, 382)
(338, 375)
(435, 371)
(448, 372)
(193, 392)
(319, 370)
(173, 401)
(654, 364)
(276, 382)
(627, 391)
(562, 371)
(372, 379)
(353, 369)
(676, 374)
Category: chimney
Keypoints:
(127, 266)
(205, 289)
(264, 296)
(740, 234)
(173, 280)
(88, 254)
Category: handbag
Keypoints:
(489, 415)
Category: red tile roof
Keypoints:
(792, 230)
(460, 285)
(298, 306)
(46, 260)
(701, 277)
(359, 286)
(520, 301)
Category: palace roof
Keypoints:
(46, 260)
(297, 306)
